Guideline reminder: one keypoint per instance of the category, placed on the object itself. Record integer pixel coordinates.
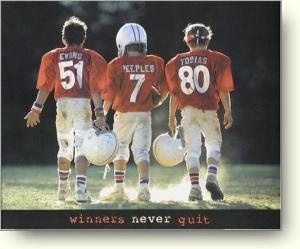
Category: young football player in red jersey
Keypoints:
(197, 80)
(134, 79)
(76, 74)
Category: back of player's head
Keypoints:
(135, 48)
(74, 31)
(131, 37)
(197, 35)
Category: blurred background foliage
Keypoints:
(248, 32)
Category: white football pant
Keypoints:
(133, 127)
(194, 121)
(73, 119)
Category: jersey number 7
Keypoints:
(139, 78)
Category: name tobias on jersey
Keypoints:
(70, 56)
(138, 68)
(193, 60)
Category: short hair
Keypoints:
(74, 31)
(136, 47)
(197, 34)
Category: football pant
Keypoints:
(133, 127)
(73, 119)
(194, 122)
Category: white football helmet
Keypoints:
(130, 33)
(169, 151)
(100, 147)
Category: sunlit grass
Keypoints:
(245, 187)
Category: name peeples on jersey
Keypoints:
(139, 68)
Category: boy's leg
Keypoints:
(119, 173)
(192, 137)
(193, 145)
(65, 138)
(82, 121)
(141, 144)
(63, 170)
(213, 140)
(144, 180)
(124, 126)
(118, 193)
(81, 193)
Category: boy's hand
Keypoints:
(100, 123)
(228, 120)
(33, 118)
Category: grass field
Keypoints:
(245, 187)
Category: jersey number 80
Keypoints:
(190, 79)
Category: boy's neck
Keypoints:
(74, 46)
(133, 53)
(197, 48)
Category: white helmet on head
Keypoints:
(169, 151)
(130, 33)
(100, 147)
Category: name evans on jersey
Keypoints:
(70, 56)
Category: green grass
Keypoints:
(245, 187)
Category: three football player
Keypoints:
(76, 74)
(197, 80)
(133, 84)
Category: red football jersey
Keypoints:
(130, 80)
(72, 72)
(195, 77)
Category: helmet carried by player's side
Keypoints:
(169, 151)
(100, 147)
(130, 33)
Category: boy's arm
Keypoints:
(100, 121)
(106, 106)
(163, 96)
(33, 117)
(225, 99)
(172, 111)
(162, 87)
(112, 87)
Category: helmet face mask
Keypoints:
(130, 33)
